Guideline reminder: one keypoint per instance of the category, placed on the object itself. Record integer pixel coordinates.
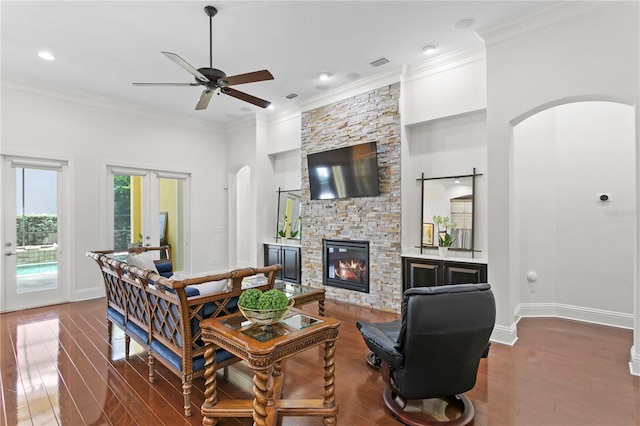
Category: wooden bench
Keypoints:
(164, 316)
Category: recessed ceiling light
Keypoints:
(430, 48)
(291, 96)
(245, 109)
(322, 87)
(464, 23)
(353, 76)
(232, 116)
(46, 55)
(271, 107)
(324, 76)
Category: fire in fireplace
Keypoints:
(345, 264)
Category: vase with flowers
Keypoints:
(445, 227)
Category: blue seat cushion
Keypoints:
(115, 316)
(176, 361)
(138, 332)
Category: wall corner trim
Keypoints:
(634, 362)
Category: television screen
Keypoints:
(344, 172)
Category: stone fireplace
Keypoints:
(368, 117)
(345, 264)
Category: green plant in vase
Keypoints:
(295, 229)
(445, 227)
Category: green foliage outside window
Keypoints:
(121, 211)
(36, 229)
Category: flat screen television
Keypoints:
(344, 172)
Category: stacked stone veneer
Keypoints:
(368, 117)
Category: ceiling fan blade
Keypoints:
(245, 97)
(250, 77)
(186, 65)
(165, 84)
(203, 102)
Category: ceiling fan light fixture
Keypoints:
(47, 56)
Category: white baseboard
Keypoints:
(89, 293)
(576, 313)
(505, 335)
(634, 362)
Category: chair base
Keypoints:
(396, 404)
(373, 361)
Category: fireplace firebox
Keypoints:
(345, 264)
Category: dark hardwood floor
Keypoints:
(58, 368)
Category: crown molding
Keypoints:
(247, 122)
(444, 62)
(367, 84)
(91, 99)
(284, 116)
(536, 19)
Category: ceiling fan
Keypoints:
(213, 78)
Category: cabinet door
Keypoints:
(272, 256)
(419, 273)
(466, 273)
(291, 267)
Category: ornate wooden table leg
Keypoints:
(260, 396)
(210, 385)
(329, 380)
(277, 371)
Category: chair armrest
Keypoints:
(382, 345)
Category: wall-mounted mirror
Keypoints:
(452, 197)
(289, 214)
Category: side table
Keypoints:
(263, 348)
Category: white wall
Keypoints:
(560, 65)
(447, 85)
(581, 248)
(248, 140)
(39, 121)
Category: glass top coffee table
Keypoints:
(263, 348)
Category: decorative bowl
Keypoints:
(266, 317)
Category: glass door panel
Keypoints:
(171, 223)
(36, 229)
(128, 205)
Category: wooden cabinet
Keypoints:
(288, 257)
(419, 272)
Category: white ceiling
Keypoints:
(101, 47)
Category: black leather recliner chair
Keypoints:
(435, 349)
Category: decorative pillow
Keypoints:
(141, 261)
(208, 287)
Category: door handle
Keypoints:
(8, 253)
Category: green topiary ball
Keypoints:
(250, 298)
(272, 300)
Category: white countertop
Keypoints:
(454, 256)
(281, 243)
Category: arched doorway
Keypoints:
(581, 248)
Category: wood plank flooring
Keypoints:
(57, 367)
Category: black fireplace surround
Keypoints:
(345, 264)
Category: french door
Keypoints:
(149, 208)
(35, 249)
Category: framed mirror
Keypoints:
(450, 197)
(289, 214)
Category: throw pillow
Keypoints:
(141, 261)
